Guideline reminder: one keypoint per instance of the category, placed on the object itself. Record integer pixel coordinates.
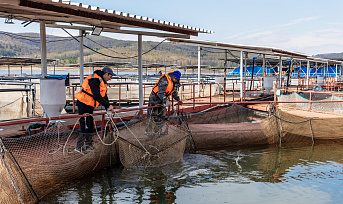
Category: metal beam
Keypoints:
(133, 32)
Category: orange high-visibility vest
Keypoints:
(85, 95)
(169, 90)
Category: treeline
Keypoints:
(67, 50)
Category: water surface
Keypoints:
(290, 174)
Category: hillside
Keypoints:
(331, 55)
(67, 50)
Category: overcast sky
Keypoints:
(306, 26)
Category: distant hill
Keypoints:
(331, 55)
(67, 50)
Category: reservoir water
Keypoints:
(272, 174)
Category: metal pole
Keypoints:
(9, 70)
(21, 70)
(199, 69)
(81, 57)
(140, 75)
(245, 65)
(263, 68)
(44, 71)
(241, 75)
(280, 72)
(225, 64)
(252, 73)
(336, 73)
(308, 72)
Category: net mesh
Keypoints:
(336, 107)
(33, 166)
(42, 162)
(289, 128)
(223, 114)
(151, 142)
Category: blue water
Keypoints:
(290, 174)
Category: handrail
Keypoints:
(20, 121)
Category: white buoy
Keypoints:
(52, 96)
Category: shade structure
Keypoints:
(303, 71)
(331, 71)
(258, 70)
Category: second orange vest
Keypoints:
(169, 90)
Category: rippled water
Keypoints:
(290, 174)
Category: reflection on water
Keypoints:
(256, 175)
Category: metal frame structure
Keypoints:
(52, 12)
(265, 51)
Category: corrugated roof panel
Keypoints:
(70, 10)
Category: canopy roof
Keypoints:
(99, 64)
(253, 49)
(22, 61)
(53, 11)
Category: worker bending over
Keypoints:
(166, 86)
(93, 93)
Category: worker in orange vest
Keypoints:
(166, 86)
(92, 94)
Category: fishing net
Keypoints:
(223, 114)
(151, 142)
(283, 127)
(42, 162)
(336, 107)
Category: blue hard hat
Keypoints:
(177, 74)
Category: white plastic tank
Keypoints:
(52, 96)
(320, 80)
(219, 84)
(268, 83)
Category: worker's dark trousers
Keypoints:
(85, 136)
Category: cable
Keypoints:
(105, 47)
(110, 55)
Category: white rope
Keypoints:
(132, 133)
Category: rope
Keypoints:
(311, 132)
(11, 102)
(133, 134)
(272, 112)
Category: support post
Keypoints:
(308, 73)
(44, 71)
(199, 69)
(225, 65)
(241, 75)
(263, 68)
(280, 72)
(140, 73)
(9, 70)
(81, 57)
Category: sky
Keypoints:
(306, 26)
